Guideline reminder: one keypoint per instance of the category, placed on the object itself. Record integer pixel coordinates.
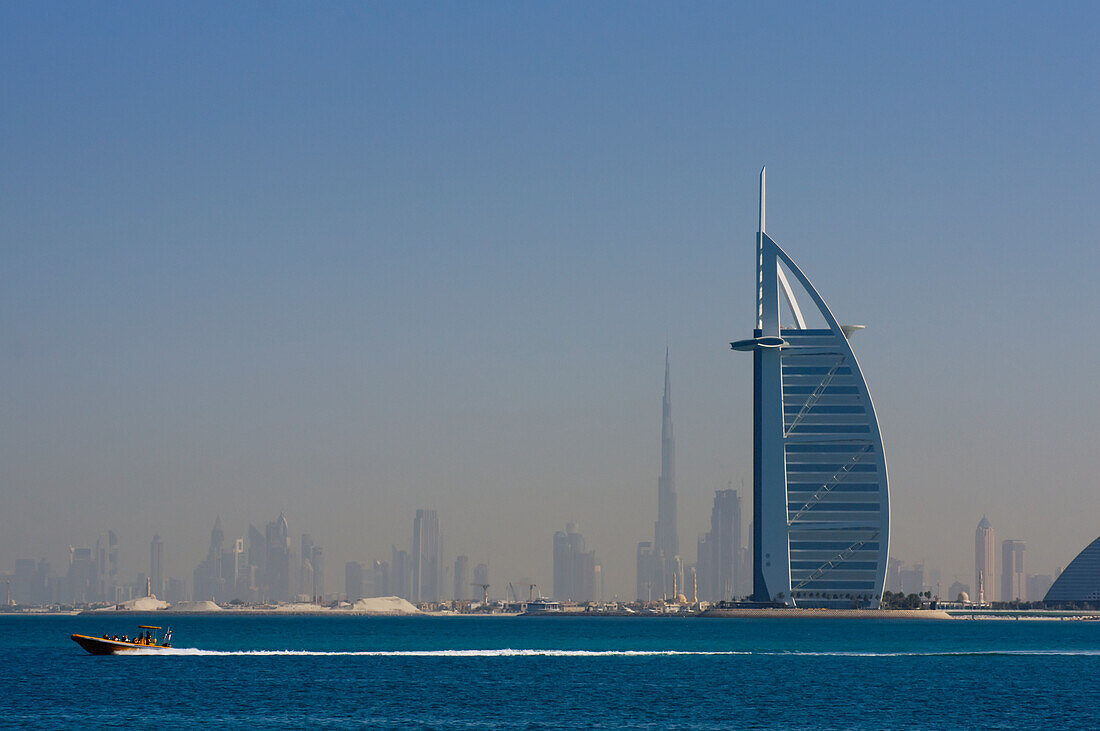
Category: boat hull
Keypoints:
(100, 646)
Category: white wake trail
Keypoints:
(508, 652)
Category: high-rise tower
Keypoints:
(984, 554)
(426, 566)
(821, 505)
(277, 562)
(719, 555)
(666, 543)
(665, 538)
(1012, 571)
(462, 579)
(574, 568)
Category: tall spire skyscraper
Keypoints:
(660, 571)
(665, 541)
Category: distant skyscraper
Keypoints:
(426, 567)
(305, 567)
(462, 579)
(156, 566)
(277, 579)
(574, 568)
(720, 550)
(1038, 585)
(209, 577)
(481, 578)
(985, 553)
(317, 561)
(22, 581)
(353, 581)
(112, 555)
(912, 579)
(235, 568)
(821, 505)
(1012, 571)
(80, 579)
(380, 580)
(645, 589)
(666, 542)
(256, 576)
(704, 558)
(46, 583)
(659, 568)
(106, 567)
(257, 548)
(176, 591)
(893, 575)
(30, 582)
(400, 571)
(217, 536)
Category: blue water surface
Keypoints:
(261, 672)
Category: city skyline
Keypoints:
(261, 568)
(239, 569)
(344, 263)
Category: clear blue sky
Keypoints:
(346, 260)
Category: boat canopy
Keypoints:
(147, 626)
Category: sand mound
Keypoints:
(384, 605)
(142, 604)
(203, 606)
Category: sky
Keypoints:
(347, 260)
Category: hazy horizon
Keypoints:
(346, 261)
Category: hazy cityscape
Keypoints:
(268, 562)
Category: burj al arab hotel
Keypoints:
(821, 502)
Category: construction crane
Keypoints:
(484, 592)
(531, 592)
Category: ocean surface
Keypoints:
(553, 672)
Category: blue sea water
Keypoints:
(554, 672)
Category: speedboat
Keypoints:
(116, 645)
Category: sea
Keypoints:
(264, 672)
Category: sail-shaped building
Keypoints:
(1080, 582)
(821, 502)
